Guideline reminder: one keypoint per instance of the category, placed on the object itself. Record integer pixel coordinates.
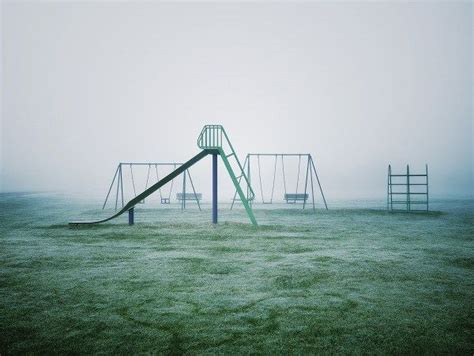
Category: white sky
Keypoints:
(358, 85)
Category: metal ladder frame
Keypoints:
(213, 137)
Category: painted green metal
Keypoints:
(215, 137)
(242, 196)
(211, 140)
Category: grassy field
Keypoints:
(341, 281)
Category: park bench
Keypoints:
(294, 197)
(188, 196)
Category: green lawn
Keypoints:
(341, 281)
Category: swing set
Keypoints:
(153, 169)
(299, 194)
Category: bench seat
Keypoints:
(293, 197)
(189, 196)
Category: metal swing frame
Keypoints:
(117, 180)
(310, 171)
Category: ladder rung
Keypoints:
(408, 193)
(408, 184)
(408, 175)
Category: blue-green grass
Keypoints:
(348, 280)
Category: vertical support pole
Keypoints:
(427, 195)
(408, 188)
(183, 201)
(131, 216)
(388, 187)
(391, 188)
(312, 185)
(214, 188)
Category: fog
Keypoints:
(357, 85)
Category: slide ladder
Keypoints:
(214, 137)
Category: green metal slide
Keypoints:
(150, 190)
(212, 140)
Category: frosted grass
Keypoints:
(348, 280)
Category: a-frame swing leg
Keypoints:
(121, 185)
(312, 189)
(194, 190)
(118, 185)
(249, 181)
(239, 180)
(319, 183)
(110, 188)
(306, 183)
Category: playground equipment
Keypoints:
(214, 141)
(153, 170)
(290, 197)
(415, 188)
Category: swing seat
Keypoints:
(165, 200)
(188, 196)
(292, 198)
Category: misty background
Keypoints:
(357, 85)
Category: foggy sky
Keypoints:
(358, 85)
